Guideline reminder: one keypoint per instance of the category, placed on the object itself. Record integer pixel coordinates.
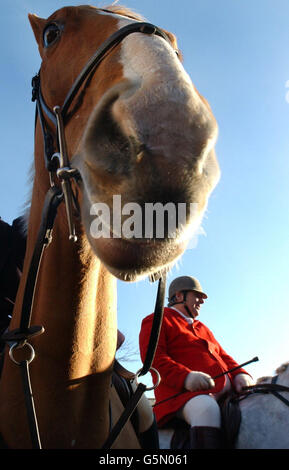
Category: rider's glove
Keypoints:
(242, 380)
(198, 381)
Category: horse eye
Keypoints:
(51, 34)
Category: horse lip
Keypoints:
(130, 261)
(139, 241)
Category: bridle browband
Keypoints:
(57, 163)
(94, 61)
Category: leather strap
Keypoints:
(283, 399)
(48, 141)
(141, 388)
(272, 387)
(108, 44)
(21, 334)
(91, 65)
(129, 409)
(266, 388)
(33, 424)
(156, 326)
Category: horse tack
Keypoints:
(89, 68)
(230, 413)
(59, 116)
(58, 162)
(274, 388)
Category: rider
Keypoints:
(12, 252)
(188, 357)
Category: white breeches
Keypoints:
(203, 410)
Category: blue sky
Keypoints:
(236, 53)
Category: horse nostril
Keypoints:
(110, 143)
(106, 145)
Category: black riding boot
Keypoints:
(205, 437)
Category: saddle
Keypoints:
(230, 418)
(122, 381)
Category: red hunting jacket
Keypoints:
(183, 348)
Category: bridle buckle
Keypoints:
(65, 173)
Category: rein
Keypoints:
(57, 164)
(274, 388)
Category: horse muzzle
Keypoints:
(119, 157)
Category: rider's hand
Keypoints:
(198, 381)
(242, 380)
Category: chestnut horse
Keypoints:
(137, 128)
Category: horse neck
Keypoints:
(75, 295)
(75, 302)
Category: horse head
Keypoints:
(137, 129)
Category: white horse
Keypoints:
(264, 416)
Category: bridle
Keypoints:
(59, 161)
(264, 388)
(57, 164)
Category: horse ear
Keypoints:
(37, 25)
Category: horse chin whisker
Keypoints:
(161, 273)
(135, 275)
